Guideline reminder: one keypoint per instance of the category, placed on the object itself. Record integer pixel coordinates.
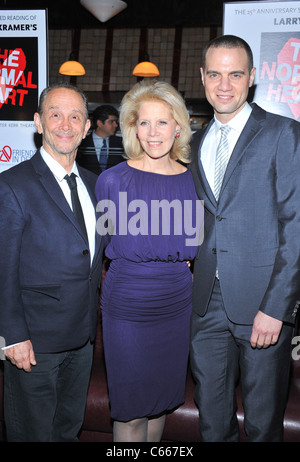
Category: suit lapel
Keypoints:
(51, 187)
(87, 185)
(90, 189)
(249, 133)
(251, 130)
(205, 185)
(201, 184)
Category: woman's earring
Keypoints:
(137, 136)
(177, 134)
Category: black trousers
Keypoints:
(48, 403)
(221, 354)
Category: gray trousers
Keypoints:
(221, 355)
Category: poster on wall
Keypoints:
(272, 30)
(23, 75)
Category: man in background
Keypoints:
(102, 149)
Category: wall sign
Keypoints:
(23, 75)
(272, 29)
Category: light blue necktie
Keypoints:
(103, 155)
(222, 157)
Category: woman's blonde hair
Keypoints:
(154, 90)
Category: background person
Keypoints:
(92, 154)
(49, 278)
(146, 297)
(246, 274)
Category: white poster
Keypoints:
(23, 75)
(272, 30)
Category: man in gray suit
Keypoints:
(247, 271)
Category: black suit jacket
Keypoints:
(87, 157)
(49, 291)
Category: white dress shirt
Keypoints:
(212, 139)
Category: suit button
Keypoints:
(214, 250)
(85, 252)
(219, 218)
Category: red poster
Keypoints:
(19, 78)
(279, 73)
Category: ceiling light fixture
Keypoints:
(72, 68)
(145, 69)
(104, 9)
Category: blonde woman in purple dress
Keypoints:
(152, 219)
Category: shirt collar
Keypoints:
(238, 122)
(98, 139)
(58, 170)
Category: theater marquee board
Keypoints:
(272, 29)
(23, 75)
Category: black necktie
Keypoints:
(77, 210)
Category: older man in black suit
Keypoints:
(49, 277)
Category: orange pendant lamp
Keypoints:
(145, 69)
(71, 68)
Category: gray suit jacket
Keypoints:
(253, 233)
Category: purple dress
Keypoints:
(147, 292)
